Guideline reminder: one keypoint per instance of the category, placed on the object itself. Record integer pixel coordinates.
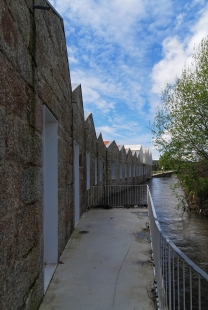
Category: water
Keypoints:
(190, 232)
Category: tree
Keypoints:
(181, 125)
(180, 128)
(167, 162)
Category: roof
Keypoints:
(87, 114)
(133, 147)
(74, 86)
(106, 142)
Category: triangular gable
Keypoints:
(77, 98)
(150, 158)
(120, 147)
(86, 115)
(98, 134)
(128, 150)
(101, 146)
(140, 155)
(108, 143)
(90, 134)
(74, 86)
(112, 150)
(133, 147)
(89, 122)
(145, 155)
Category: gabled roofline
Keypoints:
(49, 4)
(98, 134)
(108, 143)
(75, 86)
(120, 147)
(87, 115)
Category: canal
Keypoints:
(190, 231)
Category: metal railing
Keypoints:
(180, 283)
(117, 195)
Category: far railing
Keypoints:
(117, 195)
(180, 284)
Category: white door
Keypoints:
(76, 184)
(50, 194)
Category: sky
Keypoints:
(124, 52)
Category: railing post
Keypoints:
(199, 291)
(184, 287)
(173, 258)
(190, 280)
(169, 277)
(178, 282)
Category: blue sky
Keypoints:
(123, 52)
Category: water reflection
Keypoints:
(190, 232)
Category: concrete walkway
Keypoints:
(106, 264)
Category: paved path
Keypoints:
(107, 267)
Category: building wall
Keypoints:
(79, 137)
(35, 77)
(34, 73)
(102, 160)
(112, 156)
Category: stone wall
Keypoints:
(101, 160)
(79, 137)
(91, 145)
(35, 77)
(34, 72)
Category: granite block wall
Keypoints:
(35, 74)
(79, 136)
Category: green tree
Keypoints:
(180, 128)
(181, 125)
(167, 162)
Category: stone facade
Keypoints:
(79, 137)
(34, 73)
(41, 115)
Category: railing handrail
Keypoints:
(124, 185)
(176, 249)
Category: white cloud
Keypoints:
(72, 51)
(179, 20)
(166, 70)
(113, 46)
(177, 54)
(114, 133)
(93, 88)
(103, 15)
(115, 21)
(108, 133)
(194, 2)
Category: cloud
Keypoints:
(179, 20)
(177, 54)
(93, 89)
(100, 16)
(123, 53)
(116, 22)
(107, 54)
(108, 133)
